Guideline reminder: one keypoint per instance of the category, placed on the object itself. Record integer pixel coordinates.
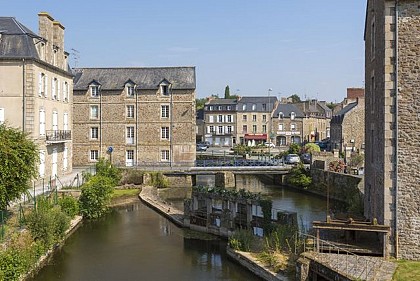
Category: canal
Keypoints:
(136, 243)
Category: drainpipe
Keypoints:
(396, 130)
(137, 123)
(100, 120)
(171, 154)
(23, 96)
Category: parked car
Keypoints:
(269, 144)
(292, 159)
(306, 158)
(201, 147)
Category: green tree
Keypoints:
(311, 148)
(227, 92)
(95, 196)
(106, 169)
(294, 148)
(199, 103)
(295, 98)
(18, 163)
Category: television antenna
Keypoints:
(76, 56)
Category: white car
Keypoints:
(292, 159)
(269, 144)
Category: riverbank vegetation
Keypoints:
(31, 230)
(278, 250)
(407, 270)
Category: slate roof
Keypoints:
(286, 109)
(16, 40)
(144, 77)
(258, 101)
(221, 101)
(339, 116)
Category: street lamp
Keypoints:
(269, 122)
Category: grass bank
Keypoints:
(407, 271)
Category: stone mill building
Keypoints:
(135, 116)
(392, 75)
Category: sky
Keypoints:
(314, 49)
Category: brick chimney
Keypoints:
(354, 93)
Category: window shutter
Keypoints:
(40, 85)
(1, 115)
(42, 122)
(46, 86)
(58, 89)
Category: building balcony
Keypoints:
(57, 136)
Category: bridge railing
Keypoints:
(237, 163)
(343, 261)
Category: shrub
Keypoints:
(298, 176)
(242, 240)
(96, 194)
(311, 148)
(106, 169)
(69, 205)
(47, 223)
(158, 180)
(294, 148)
(337, 166)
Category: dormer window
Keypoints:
(130, 90)
(220, 107)
(244, 107)
(94, 91)
(281, 115)
(254, 106)
(292, 115)
(211, 107)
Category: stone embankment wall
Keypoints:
(342, 187)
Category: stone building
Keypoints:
(254, 120)
(287, 124)
(352, 95)
(392, 160)
(36, 89)
(348, 128)
(220, 122)
(317, 120)
(135, 116)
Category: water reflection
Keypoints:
(135, 243)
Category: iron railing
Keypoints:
(58, 135)
(342, 261)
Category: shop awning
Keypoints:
(255, 136)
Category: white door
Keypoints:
(129, 158)
(65, 156)
(54, 163)
(41, 163)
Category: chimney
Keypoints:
(59, 44)
(46, 30)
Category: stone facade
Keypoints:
(316, 125)
(287, 124)
(36, 88)
(348, 128)
(392, 122)
(135, 116)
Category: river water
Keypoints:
(136, 243)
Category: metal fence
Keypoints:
(342, 261)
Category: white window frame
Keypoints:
(130, 90)
(292, 116)
(281, 127)
(94, 133)
(164, 89)
(130, 135)
(164, 111)
(164, 155)
(229, 118)
(211, 119)
(91, 115)
(54, 88)
(130, 111)
(254, 129)
(164, 133)
(220, 118)
(94, 91)
(93, 155)
(293, 127)
(229, 129)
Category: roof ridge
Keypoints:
(19, 25)
(134, 67)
